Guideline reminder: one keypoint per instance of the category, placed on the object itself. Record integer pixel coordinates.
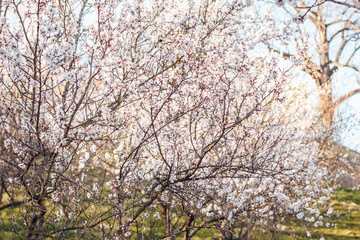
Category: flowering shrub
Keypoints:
(114, 114)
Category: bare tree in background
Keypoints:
(335, 45)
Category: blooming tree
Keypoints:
(112, 112)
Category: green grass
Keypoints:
(346, 216)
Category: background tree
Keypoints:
(330, 31)
(335, 46)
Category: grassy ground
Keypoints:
(347, 207)
(346, 217)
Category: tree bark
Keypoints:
(37, 221)
(1, 193)
(326, 105)
(226, 232)
(167, 221)
(191, 218)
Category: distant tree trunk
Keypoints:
(326, 105)
(166, 220)
(190, 219)
(247, 233)
(37, 221)
(323, 75)
(226, 232)
(1, 193)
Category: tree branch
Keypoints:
(346, 96)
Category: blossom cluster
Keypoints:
(112, 110)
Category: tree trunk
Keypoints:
(37, 221)
(167, 221)
(1, 193)
(326, 105)
(191, 218)
(226, 232)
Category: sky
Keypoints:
(345, 81)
